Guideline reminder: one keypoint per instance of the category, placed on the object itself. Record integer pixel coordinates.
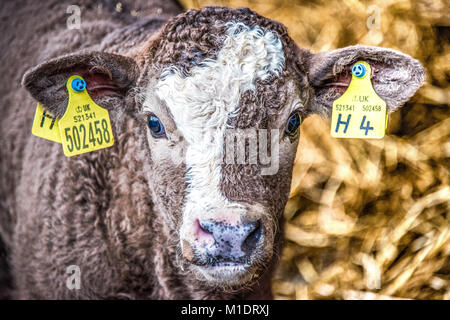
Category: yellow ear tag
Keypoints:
(85, 126)
(359, 112)
(45, 125)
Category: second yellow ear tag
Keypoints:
(359, 112)
(85, 126)
(45, 125)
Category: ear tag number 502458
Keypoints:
(85, 126)
(359, 112)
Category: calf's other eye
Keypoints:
(293, 124)
(156, 127)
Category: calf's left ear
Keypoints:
(108, 77)
(395, 76)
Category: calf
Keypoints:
(166, 212)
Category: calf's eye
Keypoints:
(293, 124)
(156, 127)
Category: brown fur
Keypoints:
(115, 212)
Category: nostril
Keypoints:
(252, 240)
(202, 234)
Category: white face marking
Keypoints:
(202, 102)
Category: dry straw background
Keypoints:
(369, 219)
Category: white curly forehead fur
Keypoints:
(202, 102)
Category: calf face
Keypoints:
(221, 94)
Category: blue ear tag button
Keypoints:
(359, 70)
(78, 84)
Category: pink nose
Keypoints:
(224, 242)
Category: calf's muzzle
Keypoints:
(225, 244)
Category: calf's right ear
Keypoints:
(108, 77)
(395, 76)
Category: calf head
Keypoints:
(219, 95)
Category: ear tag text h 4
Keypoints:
(359, 112)
(85, 126)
